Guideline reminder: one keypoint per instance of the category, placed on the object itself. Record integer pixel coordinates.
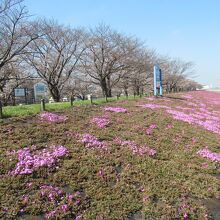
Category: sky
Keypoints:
(185, 29)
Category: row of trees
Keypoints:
(73, 61)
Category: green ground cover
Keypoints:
(25, 110)
(136, 163)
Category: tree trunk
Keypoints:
(105, 90)
(109, 92)
(55, 93)
(137, 90)
(109, 86)
(126, 91)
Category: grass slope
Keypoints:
(116, 183)
(25, 110)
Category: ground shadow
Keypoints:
(176, 98)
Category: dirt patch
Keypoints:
(214, 207)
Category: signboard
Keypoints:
(157, 81)
(19, 92)
(40, 90)
(158, 76)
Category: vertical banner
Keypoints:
(161, 84)
(157, 81)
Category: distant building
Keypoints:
(30, 92)
(205, 87)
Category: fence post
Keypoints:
(91, 99)
(71, 100)
(1, 112)
(42, 104)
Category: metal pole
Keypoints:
(155, 80)
(42, 104)
(161, 84)
(1, 112)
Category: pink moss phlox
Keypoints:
(203, 113)
(205, 165)
(51, 214)
(153, 126)
(146, 198)
(210, 120)
(92, 142)
(210, 125)
(169, 126)
(25, 199)
(185, 209)
(101, 122)
(116, 109)
(182, 116)
(206, 153)
(101, 173)
(78, 217)
(138, 150)
(64, 208)
(29, 185)
(191, 104)
(151, 98)
(141, 189)
(51, 117)
(150, 129)
(154, 106)
(183, 108)
(194, 140)
(56, 194)
(187, 96)
(28, 162)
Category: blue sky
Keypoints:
(186, 29)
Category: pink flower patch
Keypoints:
(201, 113)
(187, 96)
(28, 162)
(101, 122)
(185, 209)
(151, 98)
(169, 126)
(92, 142)
(116, 109)
(182, 116)
(206, 153)
(150, 129)
(51, 117)
(138, 150)
(154, 106)
(66, 202)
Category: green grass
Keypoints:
(26, 110)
